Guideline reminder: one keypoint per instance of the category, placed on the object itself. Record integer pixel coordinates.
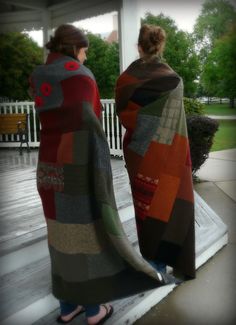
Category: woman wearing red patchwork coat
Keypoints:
(92, 261)
(149, 103)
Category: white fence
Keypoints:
(110, 122)
(213, 100)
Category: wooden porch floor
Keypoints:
(25, 287)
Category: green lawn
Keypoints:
(219, 109)
(225, 137)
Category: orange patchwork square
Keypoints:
(188, 158)
(154, 160)
(132, 106)
(65, 152)
(177, 156)
(133, 161)
(186, 187)
(125, 80)
(129, 118)
(164, 197)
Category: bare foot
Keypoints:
(68, 317)
(103, 311)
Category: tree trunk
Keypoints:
(231, 103)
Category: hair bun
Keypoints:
(51, 44)
(67, 40)
(157, 35)
(152, 39)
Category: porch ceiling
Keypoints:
(28, 14)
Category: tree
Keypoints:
(219, 73)
(19, 55)
(179, 51)
(216, 19)
(103, 60)
(112, 68)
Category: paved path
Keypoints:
(220, 168)
(223, 117)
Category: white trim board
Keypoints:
(22, 257)
(33, 312)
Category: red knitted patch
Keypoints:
(38, 101)
(46, 89)
(71, 65)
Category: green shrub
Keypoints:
(193, 106)
(201, 131)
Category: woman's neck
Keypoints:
(149, 58)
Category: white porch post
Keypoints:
(129, 24)
(47, 28)
(128, 28)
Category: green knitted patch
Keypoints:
(111, 220)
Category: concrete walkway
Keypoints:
(223, 117)
(220, 168)
(210, 298)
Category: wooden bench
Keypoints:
(15, 124)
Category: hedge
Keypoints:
(201, 131)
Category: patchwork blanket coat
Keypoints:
(149, 103)
(92, 260)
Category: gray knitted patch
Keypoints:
(145, 129)
(77, 209)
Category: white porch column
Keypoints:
(129, 24)
(47, 28)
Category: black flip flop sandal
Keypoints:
(61, 321)
(107, 316)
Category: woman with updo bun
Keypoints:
(149, 103)
(92, 261)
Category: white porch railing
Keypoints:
(110, 122)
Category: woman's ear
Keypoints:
(81, 54)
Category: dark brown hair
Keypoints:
(152, 39)
(67, 40)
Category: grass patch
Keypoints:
(219, 109)
(225, 136)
